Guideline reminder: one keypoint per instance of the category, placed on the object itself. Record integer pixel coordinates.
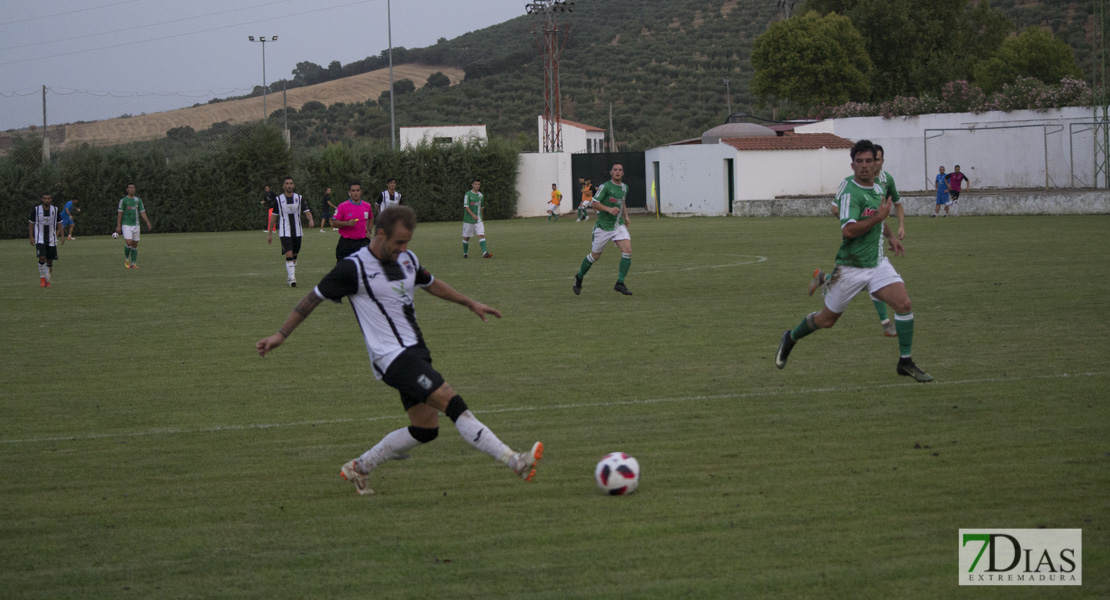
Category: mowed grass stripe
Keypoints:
(553, 407)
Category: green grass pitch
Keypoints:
(148, 452)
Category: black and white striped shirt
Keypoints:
(288, 213)
(388, 201)
(381, 295)
(45, 219)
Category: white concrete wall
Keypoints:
(574, 138)
(414, 136)
(692, 179)
(767, 174)
(535, 175)
(992, 158)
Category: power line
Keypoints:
(177, 35)
(170, 22)
(62, 14)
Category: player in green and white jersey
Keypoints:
(127, 224)
(861, 263)
(611, 226)
(473, 205)
(886, 181)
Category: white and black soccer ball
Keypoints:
(114, 235)
(617, 474)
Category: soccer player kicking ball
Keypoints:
(860, 263)
(380, 281)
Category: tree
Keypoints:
(1035, 53)
(438, 80)
(810, 59)
(335, 70)
(308, 73)
(919, 46)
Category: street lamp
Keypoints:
(262, 38)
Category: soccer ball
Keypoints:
(617, 474)
(114, 235)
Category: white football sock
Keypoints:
(42, 270)
(289, 268)
(392, 447)
(478, 435)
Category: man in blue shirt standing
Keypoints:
(942, 193)
(68, 217)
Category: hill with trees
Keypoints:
(661, 64)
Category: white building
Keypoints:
(577, 137)
(1019, 149)
(441, 134)
(739, 162)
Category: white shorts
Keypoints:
(552, 207)
(602, 237)
(473, 229)
(849, 281)
(130, 232)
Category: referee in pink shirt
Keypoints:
(353, 218)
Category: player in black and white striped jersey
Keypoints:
(44, 230)
(290, 207)
(380, 281)
(390, 196)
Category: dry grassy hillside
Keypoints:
(357, 88)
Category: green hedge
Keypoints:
(216, 185)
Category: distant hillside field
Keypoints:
(357, 88)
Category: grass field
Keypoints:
(148, 452)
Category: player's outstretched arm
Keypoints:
(439, 289)
(295, 318)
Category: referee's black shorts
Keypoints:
(348, 246)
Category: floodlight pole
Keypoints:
(262, 38)
(392, 122)
(546, 29)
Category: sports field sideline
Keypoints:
(149, 452)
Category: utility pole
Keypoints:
(728, 98)
(1102, 99)
(392, 122)
(45, 139)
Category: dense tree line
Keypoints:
(192, 182)
(837, 51)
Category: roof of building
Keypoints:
(582, 126)
(735, 130)
(438, 126)
(799, 141)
